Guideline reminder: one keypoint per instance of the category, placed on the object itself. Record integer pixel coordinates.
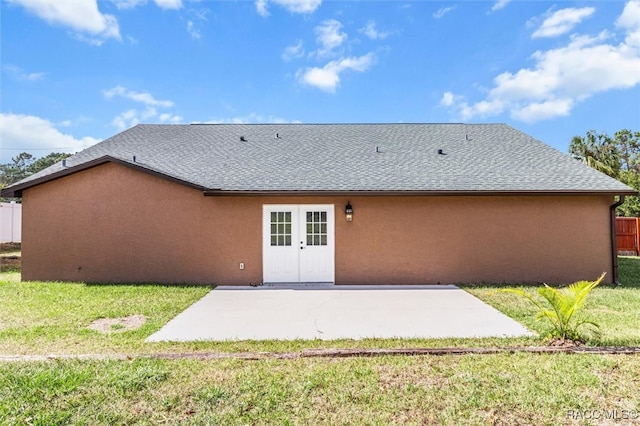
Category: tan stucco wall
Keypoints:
(114, 224)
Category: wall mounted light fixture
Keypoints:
(348, 212)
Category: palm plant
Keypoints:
(561, 307)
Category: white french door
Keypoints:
(298, 243)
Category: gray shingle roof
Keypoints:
(346, 157)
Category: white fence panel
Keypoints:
(10, 222)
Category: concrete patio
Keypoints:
(337, 312)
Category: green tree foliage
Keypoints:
(618, 157)
(25, 164)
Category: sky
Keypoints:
(75, 72)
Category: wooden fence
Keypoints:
(627, 236)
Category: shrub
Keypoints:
(559, 306)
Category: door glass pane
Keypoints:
(317, 228)
(280, 228)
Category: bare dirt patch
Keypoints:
(10, 263)
(10, 257)
(118, 325)
(13, 248)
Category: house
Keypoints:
(342, 203)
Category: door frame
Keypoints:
(298, 242)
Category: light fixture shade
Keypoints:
(348, 212)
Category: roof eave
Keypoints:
(254, 193)
(15, 190)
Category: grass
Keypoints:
(615, 308)
(41, 318)
(499, 389)
(46, 318)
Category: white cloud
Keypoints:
(538, 111)
(372, 32)
(293, 6)
(169, 4)
(163, 4)
(482, 109)
(293, 51)
(196, 20)
(499, 4)
(251, 118)
(630, 21)
(443, 11)
(126, 119)
(142, 97)
(131, 117)
(170, 118)
(329, 37)
(82, 17)
(18, 74)
(261, 7)
(327, 78)
(30, 133)
(562, 77)
(148, 113)
(449, 99)
(128, 4)
(562, 21)
(193, 31)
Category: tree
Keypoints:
(618, 157)
(24, 165)
(46, 161)
(16, 170)
(598, 151)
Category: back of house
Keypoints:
(337, 203)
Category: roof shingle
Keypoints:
(346, 157)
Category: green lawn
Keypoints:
(615, 308)
(53, 318)
(45, 318)
(500, 389)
